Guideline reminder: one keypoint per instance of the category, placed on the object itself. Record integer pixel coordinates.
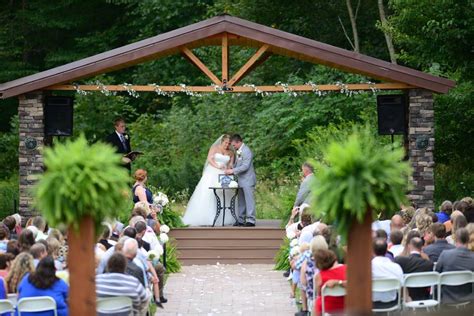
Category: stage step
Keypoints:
(228, 245)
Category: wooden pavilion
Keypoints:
(226, 31)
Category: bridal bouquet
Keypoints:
(160, 200)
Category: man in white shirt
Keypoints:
(383, 267)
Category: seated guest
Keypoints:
(309, 270)
(10, 223)
(149, 213)
(5, 261)
(470, 229)
(396, 237)
(149, 236)
(53, 251)
(105, 256)
(449, 224)
(4, 237)
(130, 249)
(330, 274)
(22, 265)
(157, 266)
(458, 222)
(382, 234)
(295, 228)
(105, 236)
(434, 250)
(406, 249)
(38, 251)
(457, 259)
(415, 263)
(469, 213)
(26, 240)
(43, 282)
(383, 267)
(12, 248)
(445, 211)
(116, 283)
(40, 224)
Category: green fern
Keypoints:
(81, 180)
(358, 174)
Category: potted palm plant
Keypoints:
(82, 185)
(357, 178)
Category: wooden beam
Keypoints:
(199, 64)
(225, 58)
(238, 89)
(245, 69)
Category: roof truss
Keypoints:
(226, 31)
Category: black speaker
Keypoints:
(58, 116)
(391, 113)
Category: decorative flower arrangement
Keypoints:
(233, 184)
(164, 229)
(160, 200)
(164, 238)
(295, 251)
(291, 235)
(154, 254)
(294, 243)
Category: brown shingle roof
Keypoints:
(246, 33)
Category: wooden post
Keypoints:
(81, 264)
(359, 268)
(225, 58)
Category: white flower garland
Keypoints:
(343, 89)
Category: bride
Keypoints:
(201, 208)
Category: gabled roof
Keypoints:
(242, 32)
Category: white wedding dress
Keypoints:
(201, 209)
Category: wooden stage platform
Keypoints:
(211, 245)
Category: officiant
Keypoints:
(121, 141)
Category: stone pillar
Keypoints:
(31, 130)
(421, 147)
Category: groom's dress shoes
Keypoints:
(248, 224)
(238, 224)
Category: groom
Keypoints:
(243, 169)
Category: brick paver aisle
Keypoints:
(253, 289)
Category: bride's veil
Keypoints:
(216, 143)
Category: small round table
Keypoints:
(221, 205)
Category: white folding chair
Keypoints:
(454, 278)
(7, 307)
(337, 290)
(37, 304)
(421, 279)
(111, 305)
(387, 285)
(13, 298)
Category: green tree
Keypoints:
(356, 178)
(82, 186)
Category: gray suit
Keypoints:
(243, 169)
(303, 195)
(456, 259)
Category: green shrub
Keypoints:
(172, 263)
(171, 218)
(281, 258)
(8, 196)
